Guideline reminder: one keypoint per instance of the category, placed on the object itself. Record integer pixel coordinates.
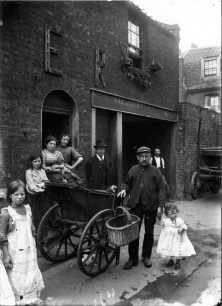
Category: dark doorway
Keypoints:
(106, 130)
(54, 124)
(59, 115)
(104, 127)
(142, 131)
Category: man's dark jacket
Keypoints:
(93, 170)
(150, 180)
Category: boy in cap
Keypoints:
(144, 184)
(98, 169)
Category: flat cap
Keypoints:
(143, 149)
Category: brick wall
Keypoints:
(196, 126)
(84, 26)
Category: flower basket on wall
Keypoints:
(142, 77)
(154, 67)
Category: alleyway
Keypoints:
(66, 284)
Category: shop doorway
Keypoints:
(142, 131)
(59, 116)
(136, 131)
(104, 128)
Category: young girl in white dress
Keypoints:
(7, 296)
(173, 242)
(18, 245)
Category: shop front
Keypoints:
(126, 124)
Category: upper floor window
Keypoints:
(210, 67)
(135, 43)
(212, 102)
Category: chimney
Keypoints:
(193, 46)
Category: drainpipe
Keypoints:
(198, 138)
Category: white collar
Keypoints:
(100, 158)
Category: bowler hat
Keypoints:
(143, 150)
(100, 143)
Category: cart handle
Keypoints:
(126, 212)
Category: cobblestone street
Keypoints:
(199, 275)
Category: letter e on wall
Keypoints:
(49, 50)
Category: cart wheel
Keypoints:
(215, 186)
(95, 253)
(195, 185)
(57, 239)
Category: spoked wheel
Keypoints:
(195, 185)
(95, 253)
(57, 239)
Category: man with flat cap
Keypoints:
(145, 186)
(98, 169)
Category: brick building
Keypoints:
(200, 77)
(95, 69)
(199, 118)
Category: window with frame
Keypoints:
(135, 43)
(210, 67)
(212, 102)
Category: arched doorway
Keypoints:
(59, 115)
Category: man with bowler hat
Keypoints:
(145, 186)
(98, 169)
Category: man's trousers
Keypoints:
(149, 222)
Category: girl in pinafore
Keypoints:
(173, 242)
(18, 245)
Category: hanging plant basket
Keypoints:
(142, 77)
(155, 67)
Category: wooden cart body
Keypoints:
(74, 225)
(208, 174)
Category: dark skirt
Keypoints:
(73, 178)
(39, 204)
(54, 176)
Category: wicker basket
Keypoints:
(123, 229)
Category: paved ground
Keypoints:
(198, 280)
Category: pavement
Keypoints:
(197, 283)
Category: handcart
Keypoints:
(209, 172)
(75, 225)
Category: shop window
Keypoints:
(212, 102)
(135, 43)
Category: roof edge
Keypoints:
(173, 30)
